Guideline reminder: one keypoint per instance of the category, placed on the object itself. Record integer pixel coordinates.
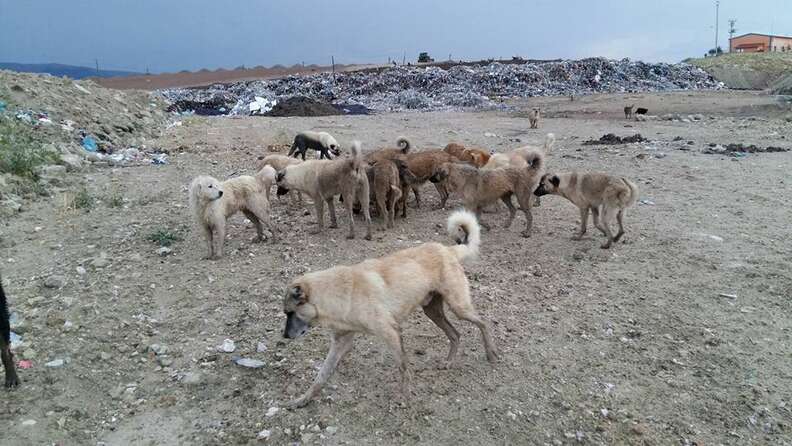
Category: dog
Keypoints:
(11, 378)
(641, 111)
(278, 162)
(455, 150)
(385, 185)
(475, 157)
(598, 192)
(404, 147)
(322, 142)
(519, 158)
(375, 296)
(533, 117)
(423, 165)
(213, 202)
(324, 179)
(628, 111)
(480, 188)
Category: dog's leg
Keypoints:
(478, 217)
(382, 205)
(525, 205)
(403, 200)
(364, 198)
(512, 211)
(458, 300)
(11, 378)
(319, 206)
(394, 197)
(209, 242)
(434, 311)
(251, 215)
(349, 201)
(340, 344)
(595, 216)
(220, 239)
(620, 219)
(417, 197)
(392, 336)
(261, 211)
(331, 209)
(441, 189)
(584, 213)
(607, 216)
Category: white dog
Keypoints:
(213, 202)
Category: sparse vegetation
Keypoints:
(164, 237)
(20, 153)
(84, 200)
(115, 199)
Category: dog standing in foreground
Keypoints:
(322, 142)
(213, 202)
(597, 192)
(11, 378)
(376, 295)
(322, 180)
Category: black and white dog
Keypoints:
(11, 379)
(322, 142)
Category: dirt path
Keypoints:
(635, 345)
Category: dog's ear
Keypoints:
(555, 181)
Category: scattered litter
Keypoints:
(647, 202)
(716, 238)
(261, 105)
(159, 159)
(89, 144)
(264, 435)
(740, 150)
(164, 251)
(730, 296)
(250, 363)
(29, 423)
(16, 340)
(55, 363)
(272, 411)
(174, 124)
(25, 364)
(227, 346)
(261, 347)
(2, 106)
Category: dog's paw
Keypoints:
(257, 239)
(526, 234)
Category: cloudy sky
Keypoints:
(172, 35)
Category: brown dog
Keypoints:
(480, 188)
(375, 296)
(475, 157)
(628, 111)
(386, 188)
(423, 165)
(533, 117)
(455, 150)
(324, 179)
(597, 192)
(403, 149)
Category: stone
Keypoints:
(55, 363)
(272, 411)
(227, 346)
(164, 251)
(264, 435)
(164, 361)
(100, 262)
(54, 282)
(192, 378)
(73, 163)
(80, 270)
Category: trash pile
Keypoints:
(83, 119)
(739, 150)
(433, 88)
(611, 139)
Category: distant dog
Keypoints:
(322, 142)
(278, 162)
(628, 111)
(213, 202)
(324, 179)
(375, 296)
(386, 188)
(533, 117)
(597, 192)
(11, 378)
(480, 188)
(641, 111)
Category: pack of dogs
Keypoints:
(378, 294)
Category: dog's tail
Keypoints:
(404, 144)
(406, 176)
(535, 159)
(633, 195)
(549, 142)
(464, 229)
(357, 157)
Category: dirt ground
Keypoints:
(679, 335)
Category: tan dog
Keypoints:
(533, 117)
(278, 162)
(480, 188)
(213, 202)
(386, 187)
(455, 150)
(322, 180)
(375, 296)
(403, 149)
(520, 156)
(628, 111)
(475, 157)
(597, 192)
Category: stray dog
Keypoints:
(375, 296)
(322, 142)
(213, 202)
(641, 111)
(597, 192)
(480, 188)
(455, 150)
(475, 157)
(520, 157)
(11, 378)
(628, 111)
(423, 165)
(278, 162)
(324, 179)
(403, 149)
(533, 117)
(385, 185)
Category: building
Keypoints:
(760, 43)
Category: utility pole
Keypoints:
(732, 32)
(97, 66)
(717, 17)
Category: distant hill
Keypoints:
(56, 69)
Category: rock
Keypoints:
(68, 326)
(9, 207)
(639, 429)
(192, 378)
(261, 347)
(272, 411)
(164, 251)
(55, 363)
(511, 415)
(53, 171)
(250, 363)
(264, 435)
(80, 270)
(578, 256)
(100, 262)
(164, 361)
(158, 349)
(104, 356)
(331, 430)
(136, 257)
(227, 346)
(29, 423)
(54, 282)
(72, 162)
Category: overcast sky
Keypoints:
(172, 35)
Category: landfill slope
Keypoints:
(460, 86)
(749, 71)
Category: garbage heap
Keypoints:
(433, 88)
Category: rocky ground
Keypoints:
(680, 335)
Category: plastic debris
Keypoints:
(16, 340)
(25, 364)
(228, 346)
(434, 88)
(250, 363)
(89, 144)
(55, 363)
(2, 106)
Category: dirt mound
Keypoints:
(611, 138)
(747, 71)
(303, 106)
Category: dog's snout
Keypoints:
(279, 176)
(219, 193)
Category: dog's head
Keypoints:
(280, 180)
(299, 312)
(440, 174)
(205, 188)
(549, 184)
(332, 145)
